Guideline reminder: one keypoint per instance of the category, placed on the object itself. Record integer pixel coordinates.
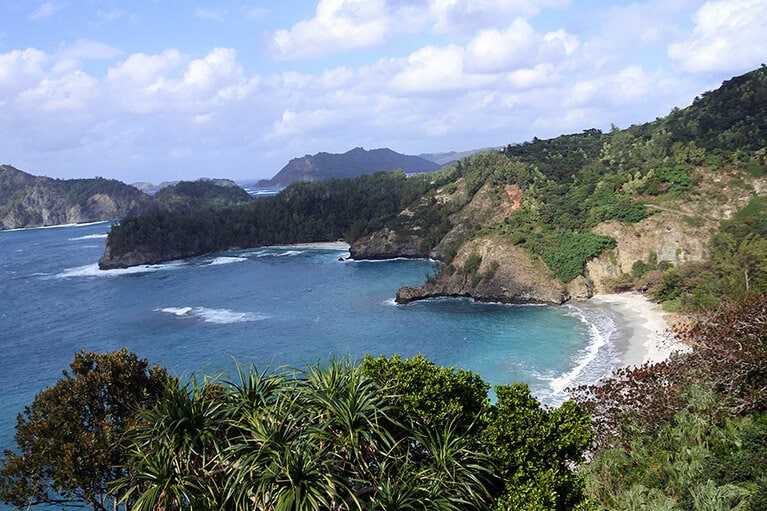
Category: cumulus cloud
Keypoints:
(469, 16)
(337, 26)
(462, 74)
(728, 35)
(436, 69)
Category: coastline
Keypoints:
(645, 329)
(331, 245)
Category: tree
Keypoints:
(69, 438)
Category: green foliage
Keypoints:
(191, 195)
(303, 212)
(69, 438)
(573, 250)
(385, 434)
(689, 463)
(437, 396)
(613, 206)
(639, 268)
(688, 433)
(471, 266)
(535, 465)
(725, 119)
(672, 180)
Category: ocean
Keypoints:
(268, 306)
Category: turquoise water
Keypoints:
(281, 305)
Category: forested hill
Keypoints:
(352, 163)
(33, 201)
(542, 221)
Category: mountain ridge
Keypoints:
(352, 163)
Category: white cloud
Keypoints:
(110, 15)
(496, 50)
(469, 16)
(46, 10)
(338, 25)
(19, 65)
(70, 92)
(85, 49)
(516, 47)
(210, 14)
(728, 35)
(436, 69)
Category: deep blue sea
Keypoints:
(278, 306)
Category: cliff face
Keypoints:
(490, 268)
(33, 201)
(387, 244)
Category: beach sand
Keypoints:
(334, 245)
(646, 336)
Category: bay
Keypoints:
(268, 306)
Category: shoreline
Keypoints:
(333, 245)
(645, 329)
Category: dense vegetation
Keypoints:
(569, 184)
(689, 433)
(195, 195)
(686, 434)
(27, 200)
(303, 212)
(329, 437)
(392, 433)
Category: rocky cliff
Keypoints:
(490, 268)
(34, 201)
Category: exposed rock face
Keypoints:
(663, 237)
(33, 201)
(387, 244)
(137, 257)
(492, 269)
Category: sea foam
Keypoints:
(596, 360)
(208, 315)
(227, 260)
(92, 270)
(90, 237)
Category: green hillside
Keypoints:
(676, 208)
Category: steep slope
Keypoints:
(33, 201)
(596, 211)
(353, 163)
(546, 220)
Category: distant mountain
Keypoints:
(453, 156)
(38, 201)
(35, 201)
(353, 163)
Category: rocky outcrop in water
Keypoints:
(491, 269)
(387, 244)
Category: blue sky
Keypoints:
(161, 90)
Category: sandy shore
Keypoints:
(341, 245)
(645, 327)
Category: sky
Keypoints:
(159, 90)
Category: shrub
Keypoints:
(573, 250)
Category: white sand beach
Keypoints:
(340, 245)
(645, 327)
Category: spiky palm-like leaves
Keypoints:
(174, 454)
(325, 438)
